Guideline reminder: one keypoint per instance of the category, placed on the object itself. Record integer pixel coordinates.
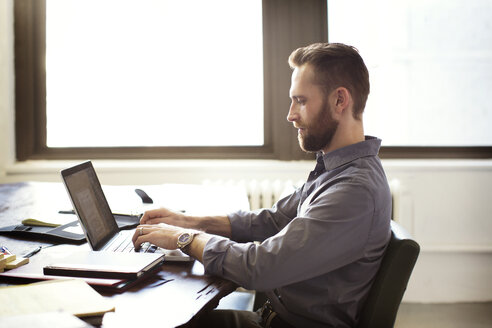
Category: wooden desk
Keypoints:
(175, 296)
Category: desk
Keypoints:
(175, 296)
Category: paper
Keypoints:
(77, 229)
(54, 220)
(43, 320)
(17, 263)
(72, 296)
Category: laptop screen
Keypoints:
(90, 204)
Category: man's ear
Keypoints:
(342, 99)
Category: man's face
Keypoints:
(310, 111)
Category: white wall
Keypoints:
(6, 83)
(446, 204)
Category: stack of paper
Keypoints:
(9, 261)
(72, 296)
(3, 263)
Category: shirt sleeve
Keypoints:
(332, 232)
(264, 223)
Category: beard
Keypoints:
(320, 133)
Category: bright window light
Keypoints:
(154, 73)
(430, 65)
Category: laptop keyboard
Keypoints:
(123, 243)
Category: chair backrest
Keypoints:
(391, 280)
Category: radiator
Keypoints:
(261, 193)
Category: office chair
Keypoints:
(391, 280)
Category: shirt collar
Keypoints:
(338, 157)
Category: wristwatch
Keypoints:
(184, 240)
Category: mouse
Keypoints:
(145, 198)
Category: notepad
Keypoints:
(54, 296)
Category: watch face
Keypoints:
(183, 238)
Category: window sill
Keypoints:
(226, 167)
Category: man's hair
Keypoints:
(336, 65)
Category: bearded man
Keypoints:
(320, 247)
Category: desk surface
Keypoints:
(173, 297)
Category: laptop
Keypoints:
(95, 216)
(93, 211)
(114, 255)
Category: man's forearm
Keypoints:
(217, 225)
(198, 245)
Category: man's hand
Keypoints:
(218, 225)
(163, 215)
(162, 235)
(166, 236)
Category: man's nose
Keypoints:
(292, 115)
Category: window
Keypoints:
(154, 74)
(39, 92)
(430, 65)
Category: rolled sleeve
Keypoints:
(213, 254)
(262, 224)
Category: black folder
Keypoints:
(63, 234)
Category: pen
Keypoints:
(4, 250)
(67, 212)
(33, 252)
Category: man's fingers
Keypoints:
(152, 216)
(146, 217)
(140, 232)
(153, 221)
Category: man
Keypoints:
(322, 245)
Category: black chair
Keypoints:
(391, 280)
(390, 283)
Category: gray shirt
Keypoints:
(320, 247)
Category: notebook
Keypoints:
(102, 233)
(91, 264)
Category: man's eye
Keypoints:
(297, 100)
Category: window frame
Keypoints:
(287, 24)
